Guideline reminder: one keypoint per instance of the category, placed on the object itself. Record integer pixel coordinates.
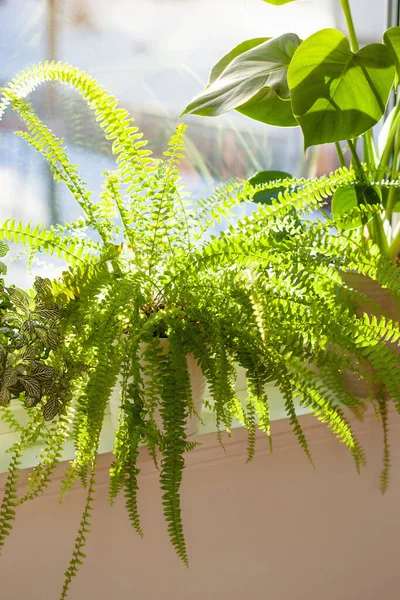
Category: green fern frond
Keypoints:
(383, 411)
(127, 144)
(251, 427)
(73, 250)
(10, 499)
(78, 555)
(174, 411)
(7, 416)
(50, 457)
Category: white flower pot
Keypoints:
(198, 384)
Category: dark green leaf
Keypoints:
(51, 409)
(3, 356)
(3, 249)
(392, 40)
(10, 377)
(49, 387)
(31, 386)
(266, 196)
(27, 353)
(42, 371)
(336, 94)
(255, 83)
(31, 401)
(19, 298)
(228, 58)
(5, 396)
(52, 339)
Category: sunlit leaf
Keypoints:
(266, 196)
(51, 409)
(344, 200)
(255, 83)
(337, 94)
(392, 40)
(347, 198)
(228, 58)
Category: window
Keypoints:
(154, 55)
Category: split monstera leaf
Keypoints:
(320, 84)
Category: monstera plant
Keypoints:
(336, 92)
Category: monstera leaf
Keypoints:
(338, 94)
(223, 62)
(392, 40)
(253, 82)
(347, 198)
(266, 196)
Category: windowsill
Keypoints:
(207, 426)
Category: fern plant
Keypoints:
(336, 92)
(143, 265)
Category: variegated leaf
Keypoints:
(49, 387)
(10, 377)
(52, 339)
(50, 313)
(42, 285)
(32, 386)
(19, 298)
(5, 396)
(30, 402)
(42, 371)
(51, 409)
(27, 353)
(3, 249)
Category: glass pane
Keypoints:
(155, 55)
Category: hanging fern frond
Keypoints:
(84, 528)
(174, 411)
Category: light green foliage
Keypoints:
(336, 92)
(392, 40)
(159, 287)
(320, 76)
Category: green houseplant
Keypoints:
(336, 92)
(263, 294)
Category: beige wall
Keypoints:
(272, 529)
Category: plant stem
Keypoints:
(379, 235)
(340, 154)
(350, 25)
(369, 148)
(356, 159)
(387, 151)
(391, 201)
(394, 248)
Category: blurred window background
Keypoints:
(154, 55)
